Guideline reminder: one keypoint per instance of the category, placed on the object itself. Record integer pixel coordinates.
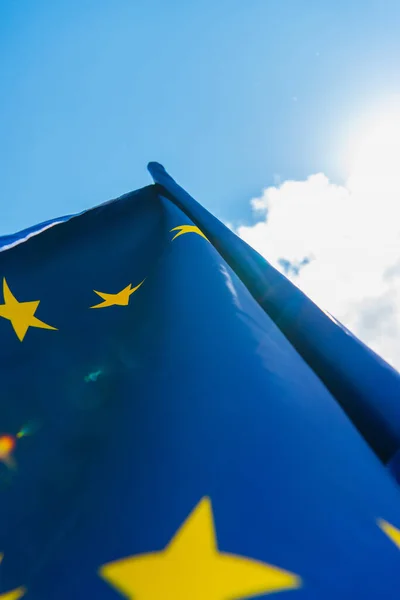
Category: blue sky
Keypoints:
(226, 94)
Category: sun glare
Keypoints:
(375, 161)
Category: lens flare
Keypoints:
(28, 429)
(7, 445)
(93, 376)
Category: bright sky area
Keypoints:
(281, 117)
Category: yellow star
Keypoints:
(14, 594)
(191, 566)
(182, 229)
(21, 314)
(119, 299)
(392, 532)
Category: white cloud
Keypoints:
(341, 243)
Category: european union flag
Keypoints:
(179, 422)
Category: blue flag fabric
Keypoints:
(367, 388)
(179, 421)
